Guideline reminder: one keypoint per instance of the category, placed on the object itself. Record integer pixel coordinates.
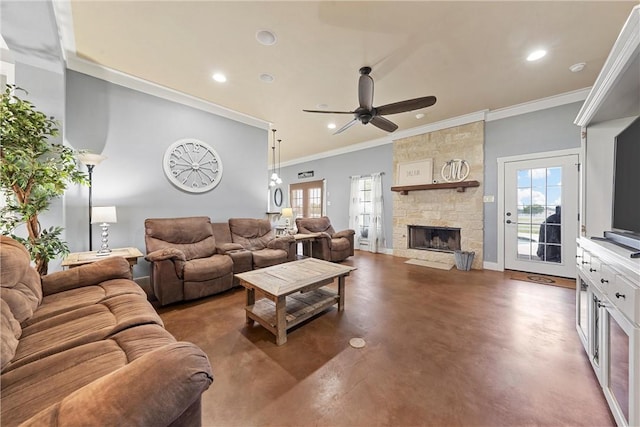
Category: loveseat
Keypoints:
(84, 347)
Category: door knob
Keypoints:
(508, 213)
(508, 221)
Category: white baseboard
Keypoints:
(491, 266)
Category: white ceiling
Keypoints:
(470, 55)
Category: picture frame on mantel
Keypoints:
(415, 173)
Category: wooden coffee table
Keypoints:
(293, 293)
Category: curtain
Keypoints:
(376, 232)
(354, 210)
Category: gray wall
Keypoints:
(337, 171)
(30, 32)
(133, 130)
(540, 131)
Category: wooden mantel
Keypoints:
(459, 186)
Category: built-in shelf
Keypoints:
(459, 186)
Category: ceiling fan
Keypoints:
(367, 113)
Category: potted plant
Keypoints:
(33, 172)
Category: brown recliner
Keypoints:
(185, 261)
(329, 246)
(257, 236)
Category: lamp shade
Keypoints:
(287, 212)
(104, 214)
(91, 158)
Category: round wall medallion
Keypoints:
(192, 165)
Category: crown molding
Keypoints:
(486, 115)
(626, 47)
(539, 104)
(117, 77)
(431, 127)
(64, 19)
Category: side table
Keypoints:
(76, 259)
(309, 238)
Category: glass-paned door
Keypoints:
(307, 199)
(541, 215)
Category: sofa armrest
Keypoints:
(282, 242)
(153, 390)
(166, 253)
(86, 275)
(344, 233)
(225, 248)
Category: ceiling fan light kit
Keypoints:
(367, 113)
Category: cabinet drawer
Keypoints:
(624, 295)
(607, 276)
(593, 269)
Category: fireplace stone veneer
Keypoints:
(445, 208)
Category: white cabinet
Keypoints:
(608, 323)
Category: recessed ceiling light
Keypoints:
(536, 54)
(266, 77)
(322, 106)
(576, 68)
(266, 37)
(219, 77)
(419, 115)
(331, 125)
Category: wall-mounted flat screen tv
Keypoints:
(626, 188)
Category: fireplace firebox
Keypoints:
(442, 239)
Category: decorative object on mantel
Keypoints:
(459, 186)
(104, 216)
(192, 165)
(415, 173)
(455, 170)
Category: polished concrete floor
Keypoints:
(443, 348)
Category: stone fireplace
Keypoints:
(441, 209)
(428, 238)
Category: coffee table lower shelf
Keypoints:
(298, 308)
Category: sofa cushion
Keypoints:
(20, 284)
(201, 269)
(10, 331)
(268, 257)
(253, 234)
(63, 302)
(315, 225)
(341, 244)
(191, 235)
(35, 386)
(80, 326)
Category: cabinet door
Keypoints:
(621, 386)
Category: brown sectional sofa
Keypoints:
(84, 347)
(192, 258)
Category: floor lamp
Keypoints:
(90, 160)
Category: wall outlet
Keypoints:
(488, 199)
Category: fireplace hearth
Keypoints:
(441, 239)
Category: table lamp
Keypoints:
(105, 215)
(287, 214)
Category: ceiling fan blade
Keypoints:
(329, 112)
(347, 126)
(365, 92)
(384, 124)
(408, 105)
